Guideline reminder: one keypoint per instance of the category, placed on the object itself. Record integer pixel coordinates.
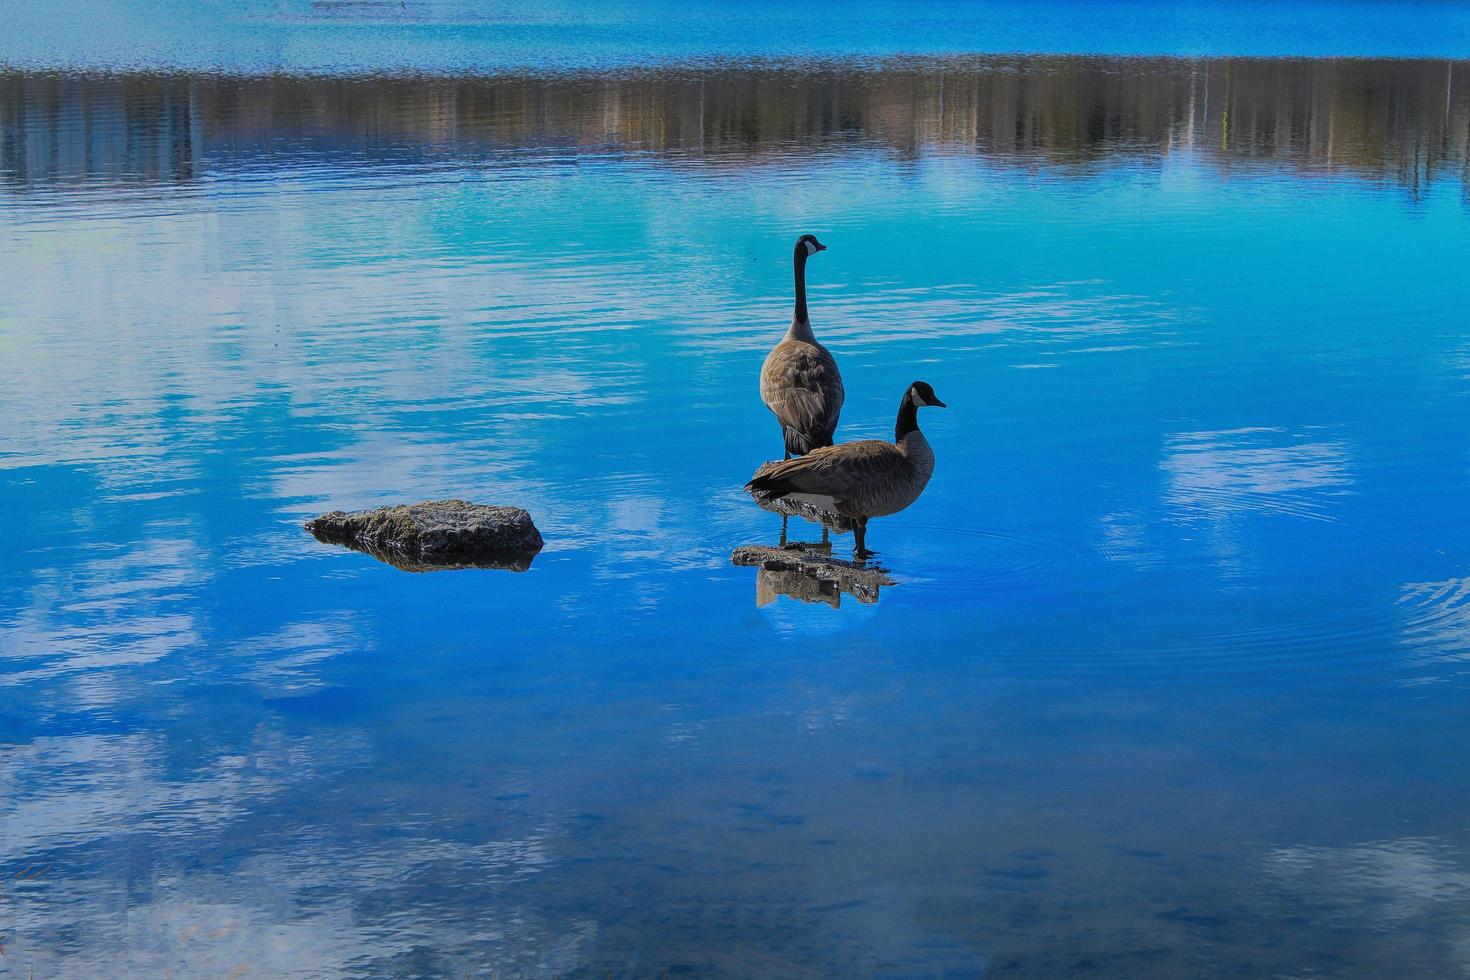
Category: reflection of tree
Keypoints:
(1400, 121)
(130, 128)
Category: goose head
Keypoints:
(919, 395)
(809, 245)
(922, 395)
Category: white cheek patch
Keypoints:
(916, 398)
(811, 249)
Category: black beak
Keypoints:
(821, 247)
(938, 404)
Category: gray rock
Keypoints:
(435, 534)
(810, 574)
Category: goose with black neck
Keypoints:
(799, 380)
(862, 479)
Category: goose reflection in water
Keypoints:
(798, 585)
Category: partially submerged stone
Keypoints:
(435, 535)
(807, 573)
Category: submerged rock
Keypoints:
(804, 572)
(435, 534)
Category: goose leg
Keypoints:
(825, 540)
(784, 519)
(860, 533)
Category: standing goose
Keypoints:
(799, 380)
(868, 478)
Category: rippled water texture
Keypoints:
(450, 37)
(1172, 681)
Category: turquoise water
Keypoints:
(1173, 678)
(436, 37)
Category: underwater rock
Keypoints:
(435, 535)
(811, 575)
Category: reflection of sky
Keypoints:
(1219, 474)
(1146, 582)
(1390, 881)
(1386, 886)
(1436, 619)
(456, 36)
(262, 915)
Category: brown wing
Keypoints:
(800, 383)
(836, 471)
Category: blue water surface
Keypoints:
(1172, 681)
(476, 36)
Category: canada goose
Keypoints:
(799, 380)
(868, 478)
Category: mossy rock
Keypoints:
(435, 534)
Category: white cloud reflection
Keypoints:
(1416, 883)
(308, 906)
(1436, 620)
(1219, 475)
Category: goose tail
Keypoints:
(797, 444)
(767, 484)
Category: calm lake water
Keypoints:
(1174, 678)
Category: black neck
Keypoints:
(908, 418)
(799, 259)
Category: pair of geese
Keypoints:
(801, 385)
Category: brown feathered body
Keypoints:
(802, 387)
(799, 379)
(867, 478)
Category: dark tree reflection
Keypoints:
(1400, 121)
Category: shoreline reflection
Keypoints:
(1407, 122)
